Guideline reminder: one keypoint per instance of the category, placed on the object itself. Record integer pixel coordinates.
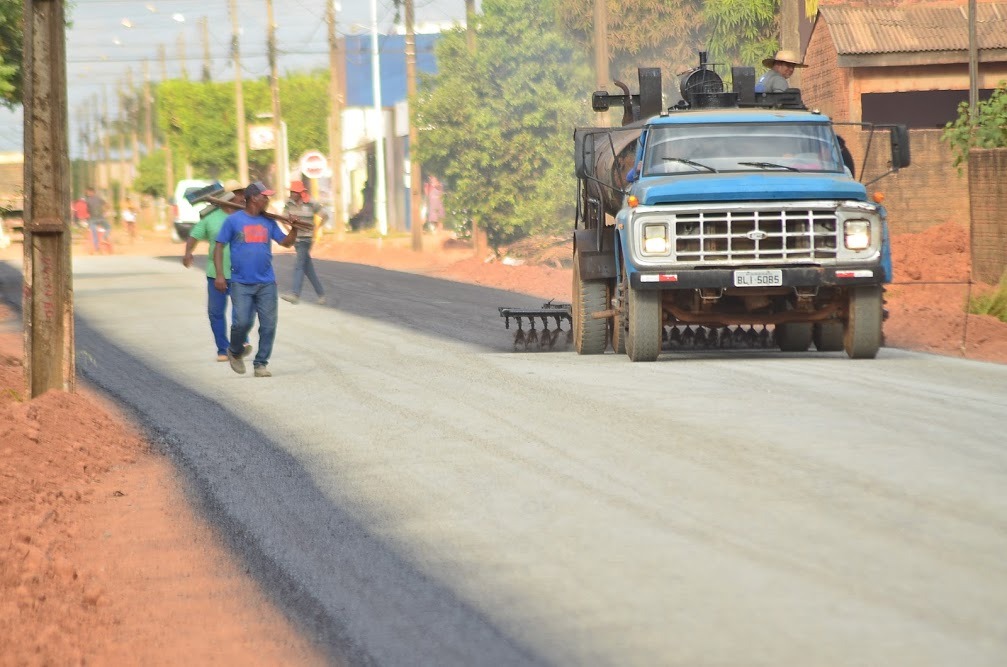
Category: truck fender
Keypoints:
(594, 249)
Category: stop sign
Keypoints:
(314, 164)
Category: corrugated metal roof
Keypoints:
(913, 28)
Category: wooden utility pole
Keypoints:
(415, 177)
(601, 71)
(169, 165)
(280, 180)
(973, 65)
(181, 56)
(121, 127)
(790, 33)
(470, 25)
(106, 138)
(148, 112)
(47, 299)
(239, 96)
(336, 102)
(134, 119)
(206, 49)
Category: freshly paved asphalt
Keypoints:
(417, 494)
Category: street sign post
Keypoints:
(314, 165)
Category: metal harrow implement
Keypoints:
(540, 340)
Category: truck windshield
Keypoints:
(699, 148)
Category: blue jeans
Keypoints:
(96, 226)
(304, 267)
(250, 300)
(216, 307)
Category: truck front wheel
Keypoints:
(590, 336)
(644, 322)
(862, 338)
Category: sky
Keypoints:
(111, 39)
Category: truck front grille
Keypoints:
(745, 237)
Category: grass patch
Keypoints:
(994, 303)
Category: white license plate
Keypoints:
(759, 278)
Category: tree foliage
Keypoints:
(990, 126)
(496, 125)
(11, 52)
(198, 119)
(741, 32)
(644, 33)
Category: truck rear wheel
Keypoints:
(644, 322)
(793, 336)
(862, 338)
(828, 336)
(590, 336)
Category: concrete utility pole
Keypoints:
(470, 40)
(380, 196)
(239, 96)
(206, 49)
(121, 126)
(148, 113)
(106, 139)
(336, 101)
(415, 176)
(280, 180)
(601, 70)
(47, 299)
(169, 159)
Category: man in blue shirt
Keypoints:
(249, 235)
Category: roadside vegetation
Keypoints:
(990, 129)
(994, 303)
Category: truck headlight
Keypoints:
(858, 234)
(655, 239)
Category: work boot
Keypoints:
(237, 363)
(321, 300)
(291, 298)
(246, 350)
(262, 372)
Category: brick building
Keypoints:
(908, 62)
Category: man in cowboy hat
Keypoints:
(781, 67)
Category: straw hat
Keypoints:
(784, 56)
(233, 186)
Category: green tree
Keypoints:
(990, 126)
(198, 119)
(741, 32)
(497, 124)
(11, 52)
(645, 33)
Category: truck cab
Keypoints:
(731, 216)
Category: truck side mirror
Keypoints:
(583, 153)
(900, 147)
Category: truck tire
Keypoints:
(828, 336)
(862, 337)
(793, 336)
(618, 321)
(644, 321)
(590, 336)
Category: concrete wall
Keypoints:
(988, 189)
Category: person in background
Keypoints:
(129, 219)
(848, 161)
(434, 193)
(101, 232)
(249, 235)
(781, 67)
(80, 213)
(299, 208)
(210, 221)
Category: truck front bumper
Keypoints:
(801, 277)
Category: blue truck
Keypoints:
(727, 220)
